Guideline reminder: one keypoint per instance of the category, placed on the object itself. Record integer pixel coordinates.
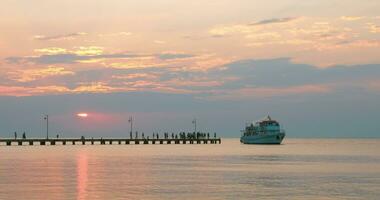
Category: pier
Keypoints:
(104, 141)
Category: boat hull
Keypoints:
(263, 139)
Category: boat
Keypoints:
(266, 131)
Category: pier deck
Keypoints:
(104, 141)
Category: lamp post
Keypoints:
(47, 126)
(131, 122)
(195, 125)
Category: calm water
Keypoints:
(298, 169)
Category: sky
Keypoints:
(312, 65)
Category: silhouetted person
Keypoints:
(208, 135)
(214, 135)
(15, 135)
(158, 137)
(23, 136)
(57, 136)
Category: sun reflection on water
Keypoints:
(82, 176)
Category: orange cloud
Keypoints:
(13, 91)
(88, 50)
(19, 91)
(136, 76)
(351, 18)
(374, 28)
(95, 87)
(80, 50)
(51, 50)
(34, 74)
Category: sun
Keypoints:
(82, 115)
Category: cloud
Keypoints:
(69, 36)
(283, 72)
(351, 18)
(51, 50)
(374, 28)
(66, 58)
(80, 50)
(136, 76)
(136, 63)
(92, 87)
(88, 51)
(365, 43)
(34, 74)
(96, 87)
(169, 56)
(301, 37)
(159, 42)
(116, 34)
(225, 30)
(16, 91)
(265, 92)
(274, 21)
(222, 31)
(205, 77)
(87, 54)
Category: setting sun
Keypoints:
(82, 114)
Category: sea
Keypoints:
(297, 169)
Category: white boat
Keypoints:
(266, 131)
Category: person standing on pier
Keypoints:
(24, 136)
(15, 135)
(214, 135)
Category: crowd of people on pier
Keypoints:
(181, 135)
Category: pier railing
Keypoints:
(104, 141)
